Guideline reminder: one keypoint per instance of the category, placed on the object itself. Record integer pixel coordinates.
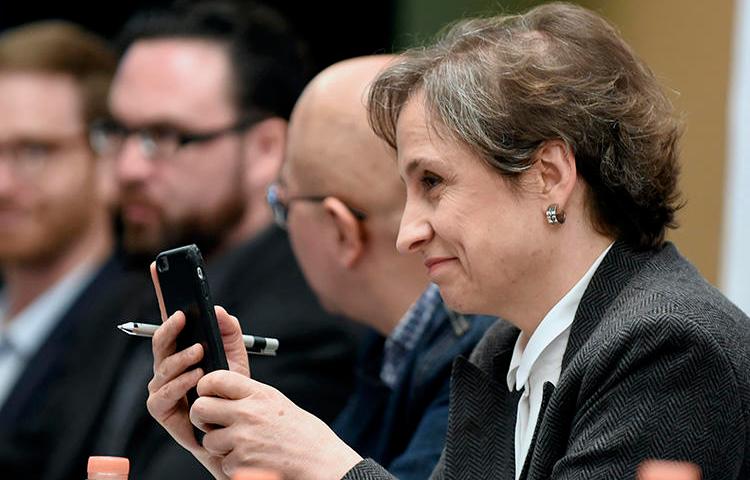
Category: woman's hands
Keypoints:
(174, 377)
(247, 423)
(250, 424)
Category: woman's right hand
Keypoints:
(174, 377)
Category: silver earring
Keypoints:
(555, 216)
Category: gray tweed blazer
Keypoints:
(657, 366)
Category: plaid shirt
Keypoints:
(407, 333)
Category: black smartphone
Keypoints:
(184, 286)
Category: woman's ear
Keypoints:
(557, 168)
(350, 233)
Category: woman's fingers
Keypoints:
(164, 399)
(234, 345)
(174, 365)
(229, 385)
(164, 342)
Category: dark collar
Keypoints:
(248, 263)
(617, 269)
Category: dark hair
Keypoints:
(504, 85)
(60, 47)
(269, 63)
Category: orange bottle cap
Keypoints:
(114, 465)
(256, 474)
(668, 470)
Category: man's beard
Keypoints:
(209, 233)
(59, 227)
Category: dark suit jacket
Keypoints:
(403, 428)
(49, 378)
(657, 366)
(45, 368)
(261, 284)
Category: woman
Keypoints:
(540, 161)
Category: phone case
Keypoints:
(184, 286)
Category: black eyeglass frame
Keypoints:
(107, 126)
(280, 208)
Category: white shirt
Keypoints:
(22, 335)
(541, 361)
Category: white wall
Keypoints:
(735, 259)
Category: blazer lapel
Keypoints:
(526, 474)
(558, 409)
(482, 421)
(481, 427)
(618, 267)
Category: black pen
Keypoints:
(253, 344)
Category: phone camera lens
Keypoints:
(200, 273)
(162, 264)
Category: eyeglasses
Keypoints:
(30, 158)
(280, 207)
(107, 137)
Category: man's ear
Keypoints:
(106, 184)
(350, 233)
(557, 170)
(264, 145)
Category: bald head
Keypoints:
(331, 148)
(353, 266)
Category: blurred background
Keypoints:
(700, 50)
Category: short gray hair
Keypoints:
(504, 85)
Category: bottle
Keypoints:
(256, 474)
(108, 468)
(668, 470)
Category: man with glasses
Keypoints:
(340, 197)
(196, 132)
(56, 236)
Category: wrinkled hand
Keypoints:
(174, 377)
(249, 424)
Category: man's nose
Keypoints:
(131, 164)
(7, 174)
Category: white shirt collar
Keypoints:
(541, 362)
(557, 321)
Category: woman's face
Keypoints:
(482, 241)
